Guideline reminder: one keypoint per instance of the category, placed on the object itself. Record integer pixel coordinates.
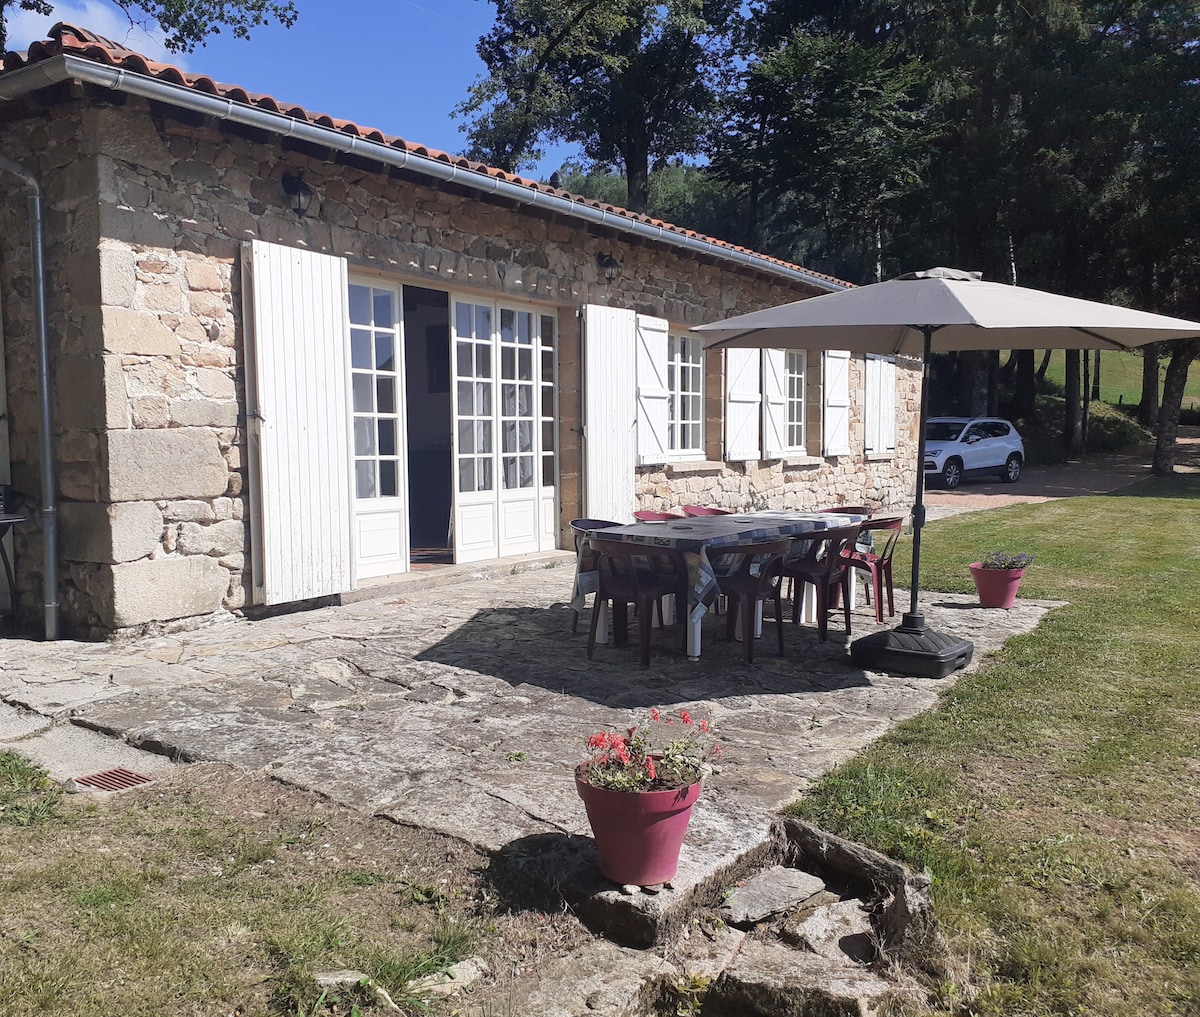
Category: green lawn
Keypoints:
(1055, 794)
(1121, 377)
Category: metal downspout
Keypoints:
(45, 438)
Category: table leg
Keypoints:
(693, 636)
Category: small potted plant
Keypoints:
(998, 577)
(638, 787)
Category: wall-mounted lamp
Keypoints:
(609, 266)
(299, 193)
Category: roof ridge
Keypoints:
(73, 40)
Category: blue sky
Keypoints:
(398, 65)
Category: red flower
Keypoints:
(685, 716)
(654, 714)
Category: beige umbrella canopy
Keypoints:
(960, 312)
(940, 310)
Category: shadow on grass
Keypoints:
(1178, 485)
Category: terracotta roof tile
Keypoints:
(79, 42)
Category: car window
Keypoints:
(943, 430)
(998, 428)
(975, 431)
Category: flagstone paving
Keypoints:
(463, 708)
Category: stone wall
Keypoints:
(146, 217)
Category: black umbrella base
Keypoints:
(912, 648)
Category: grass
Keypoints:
(1121, 377)
(224, 893)
(1054, 794)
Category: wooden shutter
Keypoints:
(880, 405)
(653, 395)
(776, 387)
(609, 413)
(298, 423)
(836, 404)
(743, 399)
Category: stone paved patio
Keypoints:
(463, 707)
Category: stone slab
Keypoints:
(770, 979)
(17, 724)
(839, 931)
(771, 892)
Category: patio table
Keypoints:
(697, 537)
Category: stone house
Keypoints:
(286, 355)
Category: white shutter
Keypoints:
(609, 412)
(653, 395)
(836, 408)
(743, 397)
(880, 405)
(298, 423)
(775, 386)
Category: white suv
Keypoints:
(958, 447)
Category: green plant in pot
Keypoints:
(638, 787)
(998, 577)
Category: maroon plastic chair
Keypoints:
(650, 516)
(823, 565)
(850, 510)
(578, 528)
(755, 573)
(877, 562)
(639, 575)
(700, 510)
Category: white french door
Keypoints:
(378, 400)
(504, 430)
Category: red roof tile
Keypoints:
(79, 42)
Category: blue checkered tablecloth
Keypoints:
(697, 537)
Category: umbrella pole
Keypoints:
(914, 619)
(912, 647)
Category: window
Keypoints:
(375, 387)
(794, 370)
(685, 387)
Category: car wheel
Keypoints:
(952, 474)
(1012, 469)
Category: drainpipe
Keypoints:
(45, 440)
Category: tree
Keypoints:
(1183, 352)
(186, 23)
(634, 84)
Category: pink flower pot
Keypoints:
(996, 587)
(638, 833)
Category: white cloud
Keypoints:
(108, 20)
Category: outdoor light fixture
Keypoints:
(300, 193)
(609, 266)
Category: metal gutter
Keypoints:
(68, 67)
(45, 437)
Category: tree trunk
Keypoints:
(993, 383)
(1096, 378)
(973, 383)
(1025, 395)
(1148, 407)
(1182, 354)
(1086, 359)
(1073, 419)
(637, 183)
(1041, 371)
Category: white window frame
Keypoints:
(685, 361)
(879, 432)
(780, 383)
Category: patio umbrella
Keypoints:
(917, 314)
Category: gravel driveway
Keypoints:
(1097, 474)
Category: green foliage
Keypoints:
(186, 23)
(28, 797)
(632, 83)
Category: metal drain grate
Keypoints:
(118, 779)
